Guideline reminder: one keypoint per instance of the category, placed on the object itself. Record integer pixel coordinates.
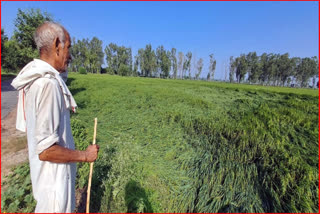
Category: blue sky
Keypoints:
(223, 28)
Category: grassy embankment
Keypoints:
(191, 146)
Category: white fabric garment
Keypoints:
(47, 122)
(32, 71)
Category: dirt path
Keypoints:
(9, 98)
(13, 142)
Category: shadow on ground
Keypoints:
(136, 198)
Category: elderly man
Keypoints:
(44, 113)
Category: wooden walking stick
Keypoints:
(91, 166)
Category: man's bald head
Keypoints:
(46, 34)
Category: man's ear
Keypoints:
(56, 45)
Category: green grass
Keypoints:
(192, 146)
(283, 90)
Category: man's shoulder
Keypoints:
(46, 81)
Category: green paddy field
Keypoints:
(193, 146)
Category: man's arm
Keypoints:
(59, 154)
(49, 105)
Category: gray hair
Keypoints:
(47, 32)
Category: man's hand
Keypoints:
(91, 153)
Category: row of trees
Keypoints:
(166, 63)
(267, 69)
(148, 62)
(274, 69)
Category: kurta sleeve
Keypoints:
(48, 116)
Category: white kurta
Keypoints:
(47, 123)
